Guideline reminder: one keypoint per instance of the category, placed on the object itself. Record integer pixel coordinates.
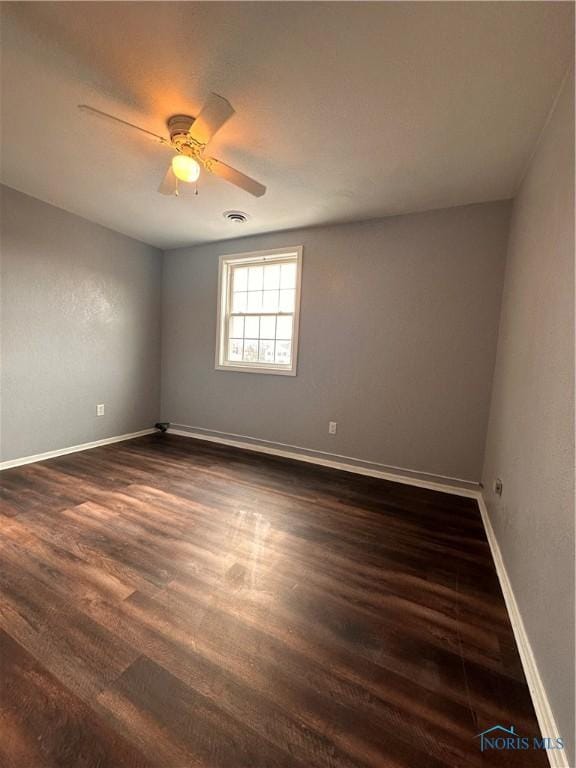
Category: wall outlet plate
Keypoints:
(332, 427)
(498, 487)
(100, 409)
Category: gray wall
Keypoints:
(80, 326)
(530, 441)
(397, 341)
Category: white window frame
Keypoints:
(224, 293)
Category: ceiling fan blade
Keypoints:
(99, 113)
(235, 177)
(169, 185)
(214, 114)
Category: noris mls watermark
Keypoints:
(502, 738)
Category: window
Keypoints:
(259, 301)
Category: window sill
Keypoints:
(256, 369)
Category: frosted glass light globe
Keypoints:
(185, 168)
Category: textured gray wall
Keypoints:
(397, 341)
(80, 326)
(530, 441)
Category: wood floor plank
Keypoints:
(77, 650)
(214, 654)
(43, 725)
(205, 606)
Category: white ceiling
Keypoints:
(344, 110)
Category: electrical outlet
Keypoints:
(332, 427)
(498, 487)
(100, 409)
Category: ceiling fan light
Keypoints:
(185, 168)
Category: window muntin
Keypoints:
(258, 318)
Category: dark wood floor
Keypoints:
(172, 603)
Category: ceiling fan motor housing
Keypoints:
(179, 125)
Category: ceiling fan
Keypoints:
(189, 137)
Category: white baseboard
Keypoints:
(557, 757)
(334, 461)
(72, 449)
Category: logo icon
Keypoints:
(498, 737)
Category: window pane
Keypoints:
(266, 351)
(240, 279)
(287, 300)
(235, 349)
(252, 327)
(284, 327)
(270, 301)
(272, 277)
(267, 327)
(239, 301)
(251, 350)
(255, 278)
(283, 351)
(288, 276)
(236, 327)
(254, 301)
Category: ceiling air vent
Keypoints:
(236, 217)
